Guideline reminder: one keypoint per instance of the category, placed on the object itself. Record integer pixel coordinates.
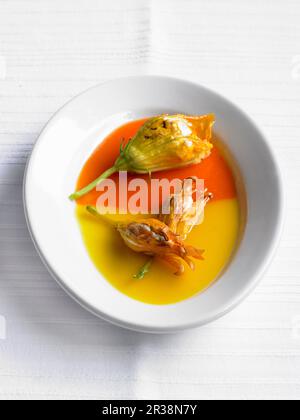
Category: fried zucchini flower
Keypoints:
(154, 238)
(163, 237)
(185, 212)
(163, 142)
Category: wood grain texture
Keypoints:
(52, 50)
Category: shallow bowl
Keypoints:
(68, 140)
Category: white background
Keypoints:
(51, 50)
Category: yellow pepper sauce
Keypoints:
(218, 234)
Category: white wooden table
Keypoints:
(51, 50)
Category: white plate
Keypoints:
(68, 140)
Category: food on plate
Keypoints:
(163, 237)
(162, 257)
(163, 142)
(185, 212)
(153, 237)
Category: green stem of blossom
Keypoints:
(92, 185)
(144, 270)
